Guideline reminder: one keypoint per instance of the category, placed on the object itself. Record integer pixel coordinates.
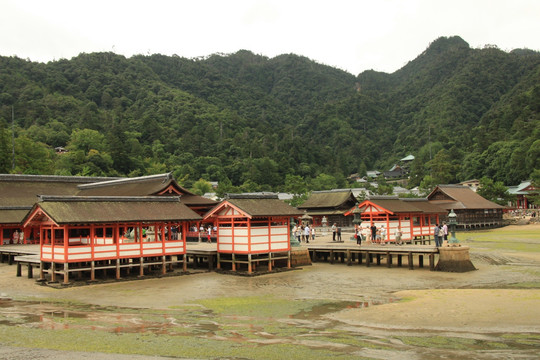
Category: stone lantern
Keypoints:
(324, 223)
(356, 212)
(452, 221)
(293, 239)
(306, 219)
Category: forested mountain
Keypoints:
(284, 123)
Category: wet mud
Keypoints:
(320, 311)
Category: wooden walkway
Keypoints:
(197, 255)
(390, 254)
(204, 255)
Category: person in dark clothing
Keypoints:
(373, 233)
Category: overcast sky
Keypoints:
(353, 35)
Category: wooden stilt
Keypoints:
(66, 273)
(41, 271)
(92, 271)
(53, 272)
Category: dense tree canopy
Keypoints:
(286, 123)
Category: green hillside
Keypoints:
(285, 123)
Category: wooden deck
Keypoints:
(205, 255)
(197, 255)
(373, 254)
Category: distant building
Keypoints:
(472, 210)
(521, 195)
(373, 174)
(473, 184)
(331, 204)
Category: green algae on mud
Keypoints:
(160, 345)
(503, 239)
(211, 329)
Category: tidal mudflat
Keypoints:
(319, 311)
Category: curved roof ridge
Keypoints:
(166, 177)
(72, 198)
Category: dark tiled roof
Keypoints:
(13, 215)
(265, 207)
(328, 199)
(86, 210)
(143, 186)
(458, 196)
(22, 190)
(396, 205)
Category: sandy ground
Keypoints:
(494, 298)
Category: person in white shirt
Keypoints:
(306, 234)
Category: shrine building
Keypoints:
(252, 229)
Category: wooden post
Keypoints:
(92, 270)
(18, 268)
(368, 259)
(66, 273)
(432, 261)
(53, 271)
(411, 264)
(399, 261)
(388, 259)
(233, 262)
(421, 260)
(141, 266)
(30, 272)
(117, 267)
(41, 271)
(270, 262)
(289, 259)
(249, 264)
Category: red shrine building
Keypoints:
(91, 233)
(415, 217)
(18, 194)
(251, 229)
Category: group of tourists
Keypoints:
(304, 233)
(16, 238)
(440, 233)
(336, 232)
(373, 235)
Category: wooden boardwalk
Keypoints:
(204, 255)
(390, 254)
(197, 255)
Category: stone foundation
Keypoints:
(454, 259)
(300, 258)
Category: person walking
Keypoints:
(383, 235)
(210, 234)
(366, 234)
(338, 233)
(398, 234)
(373, 233)
(444, 231)
(436, 232)
(307, 233)
(358, 235)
